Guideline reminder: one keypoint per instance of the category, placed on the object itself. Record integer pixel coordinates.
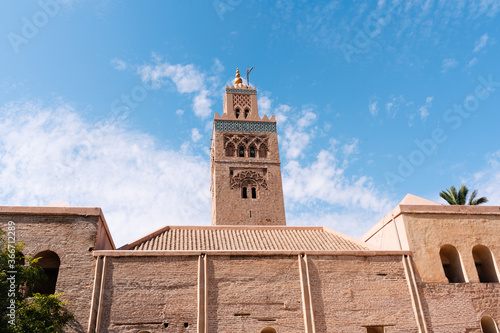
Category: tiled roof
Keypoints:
(246, 238)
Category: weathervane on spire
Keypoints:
(248, 73)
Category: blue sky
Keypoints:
(110, 103)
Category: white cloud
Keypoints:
(448, 64)
(424, 110)
(320, 192)
(217, 66)
(372, 107)
(186, 79)
(195, 135)
(481, 43)
(297, 136)
(50, 154)
(264, 103)
(281, 112)
(351, 148)
(118, 64)
(472, 62)
(487, 181)
(307, 119)
(392, 107)
(324, 181)
(202, 104)
(179, 112)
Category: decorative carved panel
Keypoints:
(244, 126)
(244, 176)
(242, 101)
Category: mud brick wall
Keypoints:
(247, 294)
(352, 292)
(144, 293)
(70, 237)
(458, 307)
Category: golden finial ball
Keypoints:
(238, 79)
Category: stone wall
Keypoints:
(72, 238)
(428, 232)
(458, 307)
(145, 293)
(350, 293)
(247, 294)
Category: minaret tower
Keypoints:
(245, 163)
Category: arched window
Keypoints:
(254, 193)
(50, 263)
(488, 325)
(241, 151)
(247, 112)
(485, 265)
(230, 150)
(237, 113)
(252, 151)
(262, 151)
(244, 193)
(268, 330)
(452, 265)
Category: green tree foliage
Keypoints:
(19, 275)
(460, 198)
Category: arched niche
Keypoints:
(452, 264)
(488, 325)
(485, 264)
(49, 261)
(268, 330)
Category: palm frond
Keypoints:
(479, 201)
(462, 195)
(446, 196)
(460, 198)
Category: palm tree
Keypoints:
(460, 198)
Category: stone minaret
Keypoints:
(245, 163)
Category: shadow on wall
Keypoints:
(485, 264)
(213, 297)
(452, 264)
(316, 291)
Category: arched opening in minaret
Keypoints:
(244, 193)
(230, 150)
(485, 265)
(262, 151)
(254, 193)
(241, 151)
(452, 264)
(247, 112)
(237, 113)
(252, 151)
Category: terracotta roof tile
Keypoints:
(246, 238)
